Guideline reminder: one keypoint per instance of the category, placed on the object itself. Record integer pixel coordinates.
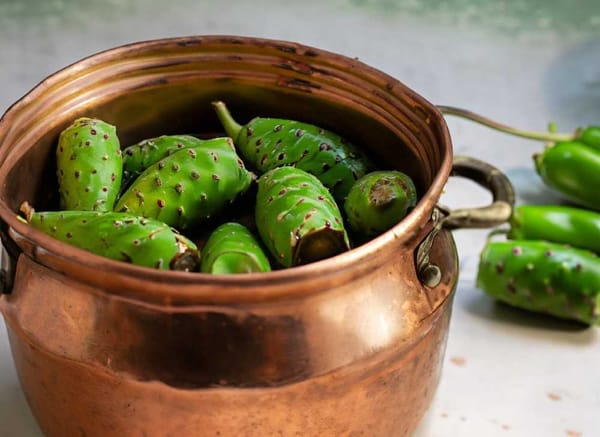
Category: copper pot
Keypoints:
(351, 345)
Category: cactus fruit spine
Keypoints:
(89, 165)
(543, 277)
(297, 218)
(379, 200)
(188, 186)
(267, 143)
(118, 236)
(232, 248)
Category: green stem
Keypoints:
(542, 136)
(232, 128)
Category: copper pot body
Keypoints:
(351, 345)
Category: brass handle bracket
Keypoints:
(429, 274)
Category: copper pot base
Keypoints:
(372, 400)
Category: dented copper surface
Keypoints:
(349, 345)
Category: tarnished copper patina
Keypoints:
(351, 345)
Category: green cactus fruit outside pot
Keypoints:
(590, 136)
(89, 165)
(378, 201)
(542, 277)
(232, 248)
(118, 236)
(138, 157)
(297, 217)
(188, 186)
(573, 169)
(577, 227)
(267, 143)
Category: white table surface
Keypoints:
(506, 372)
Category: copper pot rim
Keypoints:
(202, 287)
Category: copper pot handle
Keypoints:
(488, 176)
(495, 214)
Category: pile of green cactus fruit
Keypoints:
(549, 261)
(133, 204)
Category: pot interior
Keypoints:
(166, 87)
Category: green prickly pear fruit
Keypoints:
(89, 165)
(577, 227)
(267, 143)
(543, 277)
(138, 157)
(118, 236)
(188, 186)
(378, 201)
(231, 248)
(573, 169)
(590, 136)
(297, 217)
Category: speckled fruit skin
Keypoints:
(297, 218)
(188, 186)
(138, 157)
(378, 201)
(544, 277)
(89, 165)
(267, 143)
(232, 248)
(120, 236)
